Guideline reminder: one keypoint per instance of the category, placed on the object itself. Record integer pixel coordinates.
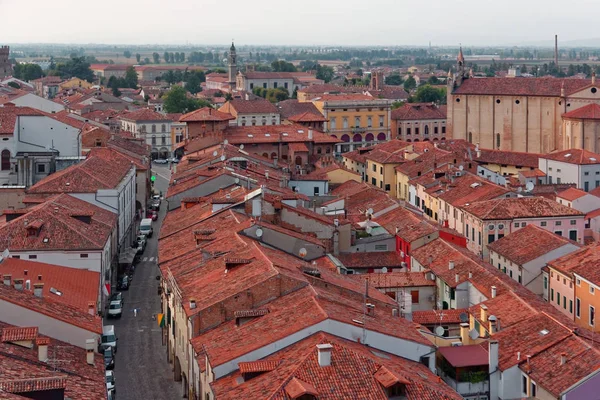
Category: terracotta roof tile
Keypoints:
(259, 106)
(143, 114)
(257, 366)
(17, 334)
(520, 207)
(274, 134)
(574, 156)
(395, 279)
(571, 194)
(584, 263)
(435, 317)
(307, 117)
(591, 111)
(419, 111)
(9, 116)
(298, 147)
(292, 107)
(521, 86)
(465, 356)
(206, 114)
(515, 158)
(376, 259)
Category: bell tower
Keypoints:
(5, 67)
(232, 66)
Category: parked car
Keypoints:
(110, 382)
(146, 227)
(154, 216)
(141, 241)
(124, 283)
(115, 309)
(156, 203)
(160, 161)
(109, 358)
(117, 296)
(108, 338)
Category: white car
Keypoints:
(110, 381)
(160, 161)
(115, 308)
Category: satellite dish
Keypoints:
(519, 189)
(368, 229)
(259, 232)
(237, 180)
(222, 158)
(460, 168)
(439, 330)
(463, 317)
(302, 252)
(492, 318)
(225, 141)
(473, 334)
(529, 186)
(370, 211)
(384, 270)
(241, 147)
(215, 153)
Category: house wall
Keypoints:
(54, 328)
(256, 119)
(355, 166)
(41, 133)
(586, 389)
(584, 204)
(11, 196)
(583, 291)
(310, 187)
(203, 189)
(339, 176)
(39, 103)
(562, 172)
(436, 130)
(382, 176)
(561, 284)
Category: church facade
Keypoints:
(535, 115)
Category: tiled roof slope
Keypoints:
(374, 259)
(55, 220)
(527, 244)
(355, 372)
(521, 86)
(395, 279)
(406, 224)
(591, 111)
(206, 114)
(77, 287)
(520, 207)
(239, 106)
(143, 114)
(571, 194)
(10, 114)
(104, 168)
(292, 107)
(585, 262)
(419, 111)
(574, 156)
(20, 370)
(508, 158)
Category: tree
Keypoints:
(138, 57)
(127, 54)
(169, 77)
(27, 72)
(283, 66)
(14, 84)
(397, 104)
(429, 94)
(433, 80)
(193, 84)
(166, 57)
(228, 96)
(410, 84)
(76, 67)
(176, 101)
(325, 73)
(146, 60)
(273, 95)
(395, 80)
(131, 77)
(156, 58)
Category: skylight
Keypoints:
(544, 332)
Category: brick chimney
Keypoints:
(18, 284)
(563, 358)
(38, 289)
(92, 308)
(451, 265)
(89, 348)
(484, 313)
(42, 344)
(7, 279)
(464, 333)
(324, 351)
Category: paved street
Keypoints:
(141, 369)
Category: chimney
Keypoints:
(484, 315)
(324, 351)
(192, 304)
(310, 134)
(370, 309)
(464, 333)
(518, 356)
(563, 358)
(492, 324)
(457, 277)
(451, 265)
(494, 372)
(42, 344)
(7, 279)
(92, 308)
(394, 312)
(470, 275)
(556, 50)
(493, 292)
(38, 289)
(19, 284)
(89, 348)
(28, 284)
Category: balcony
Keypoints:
(358, 129)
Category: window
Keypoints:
(491, 238)
(416, 130)
(332, 122)
(381, 170)
(381, 247)
(559, 233)
(264, 85)
(387, 187)
(285, 85)
(33, 257)
(577, 307)
(533, 391)
(408, 132)
(497, 140)
(586, 173)
(316, 191)
(435, 130)
(558, 223)
(414, 294)
(374, 168)
(163, 140)
(571, 306)
(153, 140)
(153, 128)
(274, 85)
(545, 282)
(163, 128)
(573, 235)
(543, 223)
(523, 224)
(5, 160)
(426, 129)
(573, 222)
(592, 316)
(500, 226)
(516, 224)
(83, 256)
(381, 121)
(565, 302)
(98, 143)
(586, 186)
(41, 168)
(491, 227)
(524, 385)
(551, 294)
(369, 122)
(578, 282)
(373, 181)
(443, 129)
(592, 289)
(251, 86)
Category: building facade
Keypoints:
(5, 67)
(418, 122)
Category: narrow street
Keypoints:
(141, 368)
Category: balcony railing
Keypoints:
(358, 129)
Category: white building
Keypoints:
(577, 166)
(21, 98)
(30, 143)
(578, 199)
(252, 112)
(154, 127)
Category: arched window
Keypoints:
(273, 155)
(369, 137)
(319, 150)
(153, 140)
(153, 128)
(470, 137)
(357, 138)
(163, 139)
(5, 156)
(497, 140)
(265, 155)
(345, 138)
(381, 136)
(427, 129)
(163, 128)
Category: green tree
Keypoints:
(283, 66)
(156, 58)
(433, 80)
(410, 84)
(76, 67)
(146, 60)
(169, 77)
(127, 54)
(325, 73)
(397, 104)
(166, 57)
(228, 96)
(429, 94)
(14, 84)
(395, 80)
(27, 72)
(193, 84)
(131, 77)
(177, 101)
(295, 94)
(138, 57)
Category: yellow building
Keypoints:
(506, 163)
(75, 83)
(357, 119)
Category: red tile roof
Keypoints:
(549, 87)
(343, 98)
(143, 114)
(574, 156)
(259, 106)
(384, 157)
(465, 356)
(59, 226)
(520, 207)
(274, 134)
(329, 88)
(591, 111)
(307, 117)
(206, 114)
(77, 287)
(359, 197)
(436, 317)
(419, 111)
(298, 148)
(461, 191)
(10, 114)
(508, 158)
(405, 224)
(395, 279)
(583, 263)
(66, 369)
(356, 371)
(426, 162)
(104, 168)
(390, 93)
(375, 259)
(292, 107)
(16, 334)
(527, 244)
(571, 194)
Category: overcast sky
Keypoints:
(306, 22)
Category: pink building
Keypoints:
(490, 220)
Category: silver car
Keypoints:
(115, 309)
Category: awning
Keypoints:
(126, 256)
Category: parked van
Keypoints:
(109, 339)
(146, 227)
